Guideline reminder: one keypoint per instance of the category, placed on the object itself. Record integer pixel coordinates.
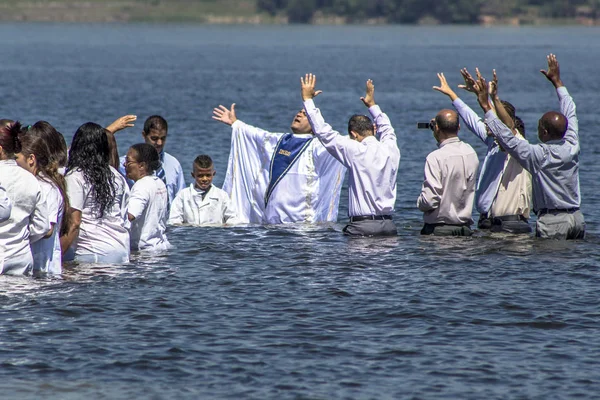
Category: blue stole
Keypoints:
(286, 153)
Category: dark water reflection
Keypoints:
(302, 312)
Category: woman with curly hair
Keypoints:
(35, 157)
(28, 221)
(147, 207)
(98, 195)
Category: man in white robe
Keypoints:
(277, 178)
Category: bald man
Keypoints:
(553, 164)
(450, 176)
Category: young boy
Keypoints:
(202, 203)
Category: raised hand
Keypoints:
(308, 84)
(226, 116)
(469, 85)
(493, 86)
(121, 123)
(481, 89)
(553, 72)
(444, 87)
(369, 98)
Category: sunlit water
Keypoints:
(303, 312)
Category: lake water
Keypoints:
(302, 312)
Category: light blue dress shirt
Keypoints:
(492, 167)
(554, 165)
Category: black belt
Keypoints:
(507, 218)
(557, 210)
(369, 217)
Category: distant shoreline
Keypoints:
(224, 12)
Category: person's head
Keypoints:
(520, 126)
(552, 126)
(141, 160)
(360, 127)
(445, 125)
(510, 109)
(155, 132)
(203, 172)
(300, 123)
(89, 153)
(9, 140)
(53, 139)
(36, 158)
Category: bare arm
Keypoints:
(500, 110)
(121, 123)
(72, 230)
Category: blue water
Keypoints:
(302, 312)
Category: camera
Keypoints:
(425, 125)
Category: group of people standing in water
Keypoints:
(84, 203)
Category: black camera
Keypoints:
(425, 125)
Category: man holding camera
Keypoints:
(450, 175)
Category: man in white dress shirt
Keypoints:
(278, 178)
(450, 175)
(372, 164)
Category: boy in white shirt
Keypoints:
(202, 203)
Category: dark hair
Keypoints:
(360, 124)
(9, 138)
(555, 123)
(519, 125)
(510, 109)
(147, 154)
(31, 143)
(89, 153)
(203, 161)
(448, 124)
(155, 123)
(53, 139)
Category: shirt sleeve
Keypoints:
(76, 191)
(431, 192)
(340, 147)
(529, 156)
(568, 109)
(176, 212)
(39, 225)
(229, 214)
(5, 205)
(138, 200)
(385, 131)
(471, 119)
(180, 178)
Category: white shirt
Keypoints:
(215, 209)
(28, 220)
(449, 188)
(46, 252)
(5, 205)
(148, 204)
(309, 192)
(100, 240)
(372, 164)
(173, 174)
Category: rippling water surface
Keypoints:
(303, 312)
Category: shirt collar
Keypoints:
(448, 141)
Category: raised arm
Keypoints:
(384, 128)
(500, 110)
(121, 123)
(337, 145)
(471, 119)
(567, 105)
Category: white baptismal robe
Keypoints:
(28, 220)
(215, 208)
(47, 252)
(309, 191)
(5, 205)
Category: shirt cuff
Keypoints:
(309, 104)
(489, 116)
(375, 111)
(236, 123)
(562, 91)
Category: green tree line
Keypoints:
(442, 11)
